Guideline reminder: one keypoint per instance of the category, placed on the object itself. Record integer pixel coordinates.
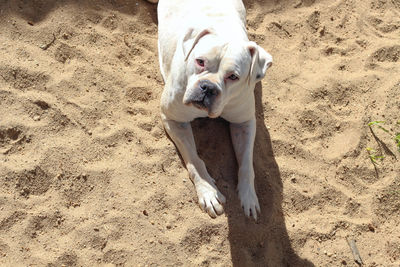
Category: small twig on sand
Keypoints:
(354, 250)
(126, 42)
(45, 46)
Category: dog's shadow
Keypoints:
(265, 243)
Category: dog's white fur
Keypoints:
(193, 33)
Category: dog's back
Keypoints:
(175, 17)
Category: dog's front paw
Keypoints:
(210, 199)
(248, 200)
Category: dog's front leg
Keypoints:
(210, 199)
(243, 135)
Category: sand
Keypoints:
(88, 176)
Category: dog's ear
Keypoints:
(260, 62)
(191, 39)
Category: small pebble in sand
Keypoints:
(371, 227)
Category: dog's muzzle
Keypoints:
(204, 95)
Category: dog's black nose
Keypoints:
(208, 88)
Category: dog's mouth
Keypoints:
(201, 100)
(202, 97)
(199, 105)
(202, 106)
(203, 103)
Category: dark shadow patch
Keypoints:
(138, 93)
(117, 257)
(386, 54)
(9, 135)
(34, 11)
(199, 236)
(9, 221)
(23, 79)
(65, 52)
(42, 104)
(30, 182)
(265, 242)
(387, 203)
(69, 259)
(75, 186)
(95, 241)
(12, 139)
(43, 222)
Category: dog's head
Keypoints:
(218, 71)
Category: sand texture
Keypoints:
(88, 176)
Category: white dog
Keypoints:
(210, 68)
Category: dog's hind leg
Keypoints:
(210, 199)
(243, 135)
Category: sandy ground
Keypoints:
(88, 176)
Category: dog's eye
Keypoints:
(200, 62)
(233, 77)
